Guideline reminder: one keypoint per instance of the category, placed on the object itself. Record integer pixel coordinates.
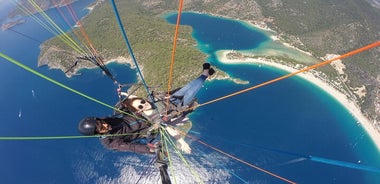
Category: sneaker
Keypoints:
(211, 71)
(206, 66)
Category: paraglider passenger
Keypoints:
(182, 98)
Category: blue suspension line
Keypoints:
(306, 157)
(344, 164)
(129, 47)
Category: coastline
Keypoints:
(119, 60)
(340, 97)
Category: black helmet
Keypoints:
(87, 126)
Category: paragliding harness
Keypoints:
(162, 165)
(176, 113)
(175, 110)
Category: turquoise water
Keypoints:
(272, 127)
(291, 115)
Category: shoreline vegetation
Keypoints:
(229, 57)
(148, 55)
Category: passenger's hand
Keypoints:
(183, 146)
(172, 131)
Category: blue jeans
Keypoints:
(189, 91)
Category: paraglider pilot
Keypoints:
(120, 134)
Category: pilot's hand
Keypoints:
(183, 146)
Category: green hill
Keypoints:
(318, 27)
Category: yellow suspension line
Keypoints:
(194, 173)
(166, 143)
(64, 86)
(28, 12)
(78, 23)
(53, 28)
(44, 25)
(54, 25)
(29, 138)
(166, 148)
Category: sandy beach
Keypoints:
(350, 105)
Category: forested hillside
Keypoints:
(319, 27)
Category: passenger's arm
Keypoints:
(181, 144)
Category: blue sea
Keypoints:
(279, 127)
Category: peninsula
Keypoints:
(16, 16)
(294, 24)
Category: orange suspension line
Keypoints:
(81, 28)
(173, 50)
(354, 52)
(84, 33)
(67, 21)
(91, 52)
(242, 161)
(79, 24)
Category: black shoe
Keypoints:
(206, 66)
(211, 71)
